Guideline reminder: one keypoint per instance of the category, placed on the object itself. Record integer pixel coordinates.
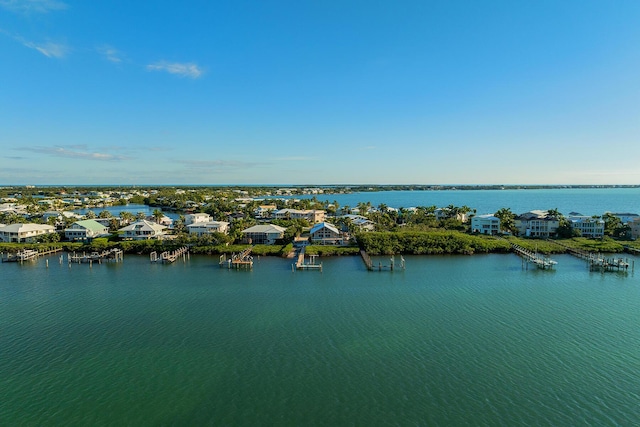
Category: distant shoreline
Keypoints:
(350, 187)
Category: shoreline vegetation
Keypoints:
(395, 231)
(374, 243)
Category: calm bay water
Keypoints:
(466, 340)
(587, 201)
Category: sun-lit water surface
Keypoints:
(458, 340)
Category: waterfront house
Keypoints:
(86, 230)
(235, 216)
(202, 228)
(196, 218)
(536, 223)
(142, 230)
(311, 215)
(163, 220)
(264, 211)
(626, 217)
(588, 226)
(444, 213)
(634, 227)
(360, 222)
(265, 234)
(485, 224)
(24, 233)
(325, 233)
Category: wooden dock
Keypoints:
(596, 261)
(300, 264)
(609, 264)
(529, 257)
(391, 267)
(633, 251)
(168, 257)
(237, 261)
(115, 255)
(27, 255)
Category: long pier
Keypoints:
(27, 255)
(237, 261)
(169, 256)
(391, 267)
(633, 251)
(542, 262)
(114, 254)
(597, 262)
(300, 264)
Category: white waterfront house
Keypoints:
(325, 233)
(20, 233)
(163, 220)
(265, 234)
(588, 226)
(202, 228)
(444, 213)
(196, 218)
(142, 230)
(360, 222)
(626, 217)
(536, 223)
(485, 224)
(264, 211)
(635, 228)
(86, 230)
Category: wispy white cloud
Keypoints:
(187, 69)
(75, 152)
(32, 6)
(48, 49)
(110, 53)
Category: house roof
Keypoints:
(321, 225)
(487, 216)
(143, 225)
(91, 224)
(536, 214)
(210, 224)
(265, 228)
(23, 228)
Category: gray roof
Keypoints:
(21, 228)
(321, 225)
(265, 228)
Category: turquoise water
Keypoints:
(587, 201)
(461, 340)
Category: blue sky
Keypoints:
(319, 92)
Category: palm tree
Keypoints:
(554, 213)
(157, 215)
(507, 219)
(127, 217)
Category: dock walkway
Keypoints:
(237, 261)
(115, 255)
(392, 261)
(168, 257)
(596, 261)
(27, 255)
(300, 263)
(542, 262)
